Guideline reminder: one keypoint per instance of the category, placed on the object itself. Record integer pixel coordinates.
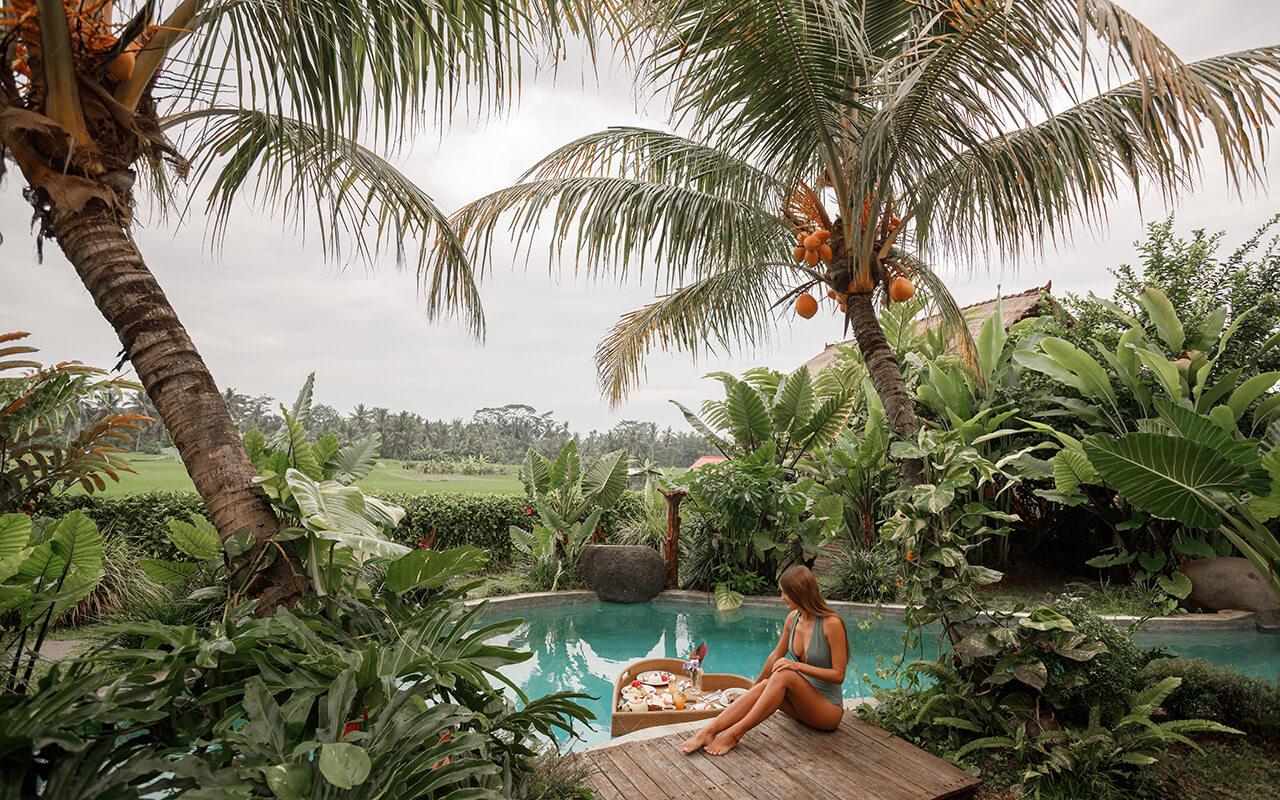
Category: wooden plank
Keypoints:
(897, 761)
(606, 790)
(738, 777)
(695, 783)
(781, 760)
(938, 771)
(831, 770)
(669, 786)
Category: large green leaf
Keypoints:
(1266, 505)
(196, 539)
(1251, 390)
(1199, 428)
(427, 569)
(1161, 311)
(356, 460)
(15, 531)
(330, 505)
(1167, 476)
(168, 571)
(1090, 378)
(827, 421)
(1070, 469)
(793, 404)
(536, 472)
(606, 480)
(701, 427)
(748, 415)
(343, 764)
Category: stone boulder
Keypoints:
(1221, 583)
(623, 573)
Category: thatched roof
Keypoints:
(1014, 308)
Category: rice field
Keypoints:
(161, 473)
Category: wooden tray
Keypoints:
(627, 721)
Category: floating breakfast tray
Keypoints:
(627, 721)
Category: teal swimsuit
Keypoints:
(817, 654)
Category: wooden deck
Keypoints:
(779, 760)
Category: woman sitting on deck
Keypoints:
(802, 676)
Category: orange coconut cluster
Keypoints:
(92, 35)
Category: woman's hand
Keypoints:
(784, 663)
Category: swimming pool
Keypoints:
(582, 648)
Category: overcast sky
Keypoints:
(267, 310)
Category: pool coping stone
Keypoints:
(1221, 622)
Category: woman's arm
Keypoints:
(779, 651)
(833, 628)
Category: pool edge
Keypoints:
(1221, 622)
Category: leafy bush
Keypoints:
(458, 518)
(142, 518)
(340, 698)
(1106, 680)
(558, 776)
(1220, 693)
(866, 576)
(123, 586)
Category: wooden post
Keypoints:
(672, 550)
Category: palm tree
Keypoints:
(907, 130)
(265, 96)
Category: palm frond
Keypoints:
(1032, 183)
(362, 67)
(783, 75)
(356, 199)
(728, 308)
(612, 224)
(977, 71)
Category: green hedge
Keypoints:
(459, 518)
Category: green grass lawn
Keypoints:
(161, 473)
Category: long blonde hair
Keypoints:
(799, 584)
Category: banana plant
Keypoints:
(569, 501)
(337, 527)
(791, 412)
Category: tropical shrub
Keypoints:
(39, 581)
(761, 510)
(1109, 678)
(1218, 692)
(124, 585)
(342, 699)
(867, 576)
(456, 518)
(45, 446)
(1198, 282)
(568, 501)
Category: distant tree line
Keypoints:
(499, 435)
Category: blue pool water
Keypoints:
(582, 648)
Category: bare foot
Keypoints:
(723, 744)
(700, 739)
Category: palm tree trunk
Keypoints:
(107, 260)
(885, 374)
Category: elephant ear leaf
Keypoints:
(606, 480)
(1267, 506)
(536, 472)
(705, 430)
(727, 599)
(15, 531)
(355, 461)
(1167, 476)
(428, 569)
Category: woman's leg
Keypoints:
(736, 711)
(810, 708)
